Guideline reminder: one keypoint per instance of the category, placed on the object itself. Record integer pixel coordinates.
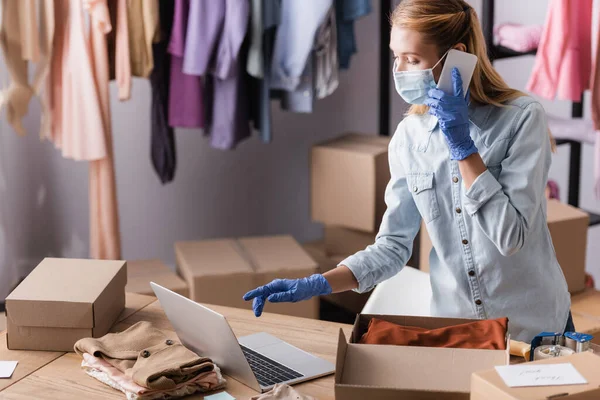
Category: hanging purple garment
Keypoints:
(204, 28)
(230, 119)
(215, 33)
(186, 105)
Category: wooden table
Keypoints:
(58, 376)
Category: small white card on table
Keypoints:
(7, 368)
(540, 375)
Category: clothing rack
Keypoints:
(500, 52)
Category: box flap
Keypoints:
(211, 257)
(276, 253)
(340, 357)
(61, 293)
(558, 212)
(357, 143)
(416, 368)
(587, 364)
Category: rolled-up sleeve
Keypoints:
(400, 224)
(504, 208)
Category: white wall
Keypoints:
(256, 189)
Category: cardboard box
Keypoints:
(64, 300)
(348, 179)
(340, 241)
(221, 271)
(585, 308)
(569, 228)
(378, 372)
(141, 272)
(350, 300)
(488, 385)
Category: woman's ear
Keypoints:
(460, 47)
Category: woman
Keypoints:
(475, 170)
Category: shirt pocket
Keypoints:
(422, 187)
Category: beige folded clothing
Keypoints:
(109, 375)
(148, 356)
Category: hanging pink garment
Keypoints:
(80, 123)
(595, 88)
(122, 65)
(104, 217)
(564, 61)
(77, 127)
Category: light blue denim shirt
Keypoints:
(492, 252)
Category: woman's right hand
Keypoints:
(288, 290)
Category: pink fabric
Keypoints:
(522, 38)
(122, 64)
(77, 127)
(104, 218)
(596, 108)
(204, 382)
(564, 61)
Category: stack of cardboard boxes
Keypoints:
(221, 271)
(348, 179)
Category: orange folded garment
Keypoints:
(484, 334)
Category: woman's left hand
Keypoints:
(452, 112)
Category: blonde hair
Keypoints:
(447, 23)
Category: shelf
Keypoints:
(594, 218)
(564, 141)
(501, 52)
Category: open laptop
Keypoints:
(258, 361)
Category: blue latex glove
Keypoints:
(288, 290)
(452, 112)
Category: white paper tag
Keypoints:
(220, 396)
(540, 375)
(7, 368)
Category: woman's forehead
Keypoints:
(408, 41)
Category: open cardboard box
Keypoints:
(382, 372)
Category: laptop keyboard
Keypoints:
(267, 371)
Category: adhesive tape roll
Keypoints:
(551, 351)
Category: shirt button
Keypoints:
(455, 179)
(169, 342)
(478, 302)
(415, 189)
(145, 354)
(465, 241)
(306, 93)
(471, 273)
(458, 210)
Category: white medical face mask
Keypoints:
(413, 86)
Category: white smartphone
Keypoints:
(465, 62)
